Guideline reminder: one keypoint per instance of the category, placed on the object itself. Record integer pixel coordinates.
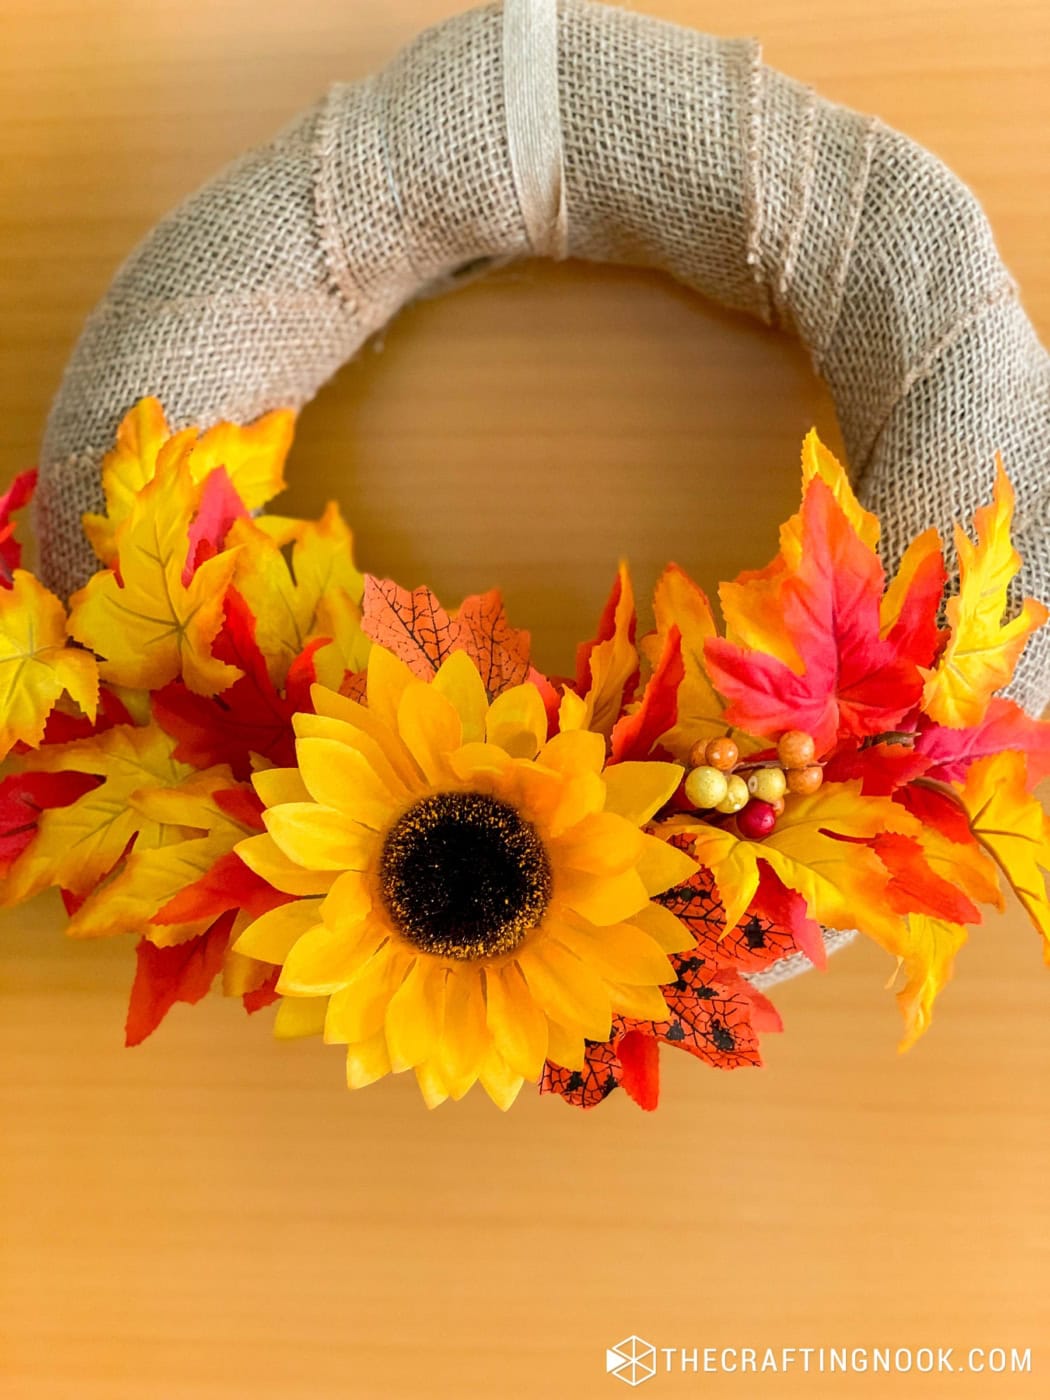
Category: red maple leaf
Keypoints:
(251, 716)
(17, 495)
(950, 752)
(853, 681)
(219, 507)
(164, 976)
(228, 886)
(634, 735)
(23, 796)
(881, 768)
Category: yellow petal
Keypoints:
(276, 785)
(387, 755)
(431, 729)
(517, 721)
(499, 1081)
(324, 960)
(618, 952)
(342, 778)
(518, 1026)
(568, 991)
(271, 936)
(638, 790)
(479, 760)
(459, 681)
(319, 838)
(414, 1014)
(662, 865)
(602, 844)
(565, 1047)
(348, 902)
(464, 1035)
(640, 1003)
(264, 856)
(551, 801)
(574, 751)
(388, 679)
(358, 1010)
(603, 899)
(299, 1016)
(668, 931)
(369, 730)
(367, 1061)
(573, 712)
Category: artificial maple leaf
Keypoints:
(636, 734)
(36, 663)
(927, 957)
(709, 1015)
(949, 752)
(144, 620)
(228, 884)
(853, 681)
(165, 976)
(219, 507)
(23, 796)
(16, 497)
(639, 1057)
(909, 607)
(152, 875)
(843, 883)
(915, 887)
(78, 845)
(982, 651)
(252, 716)
(882, 768)
(284, 597)
(1014, 829)
(417, 629)
(252, 457)
(607, 667)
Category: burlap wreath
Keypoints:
(674, 150)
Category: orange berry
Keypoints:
(778, 806)
(722, 754)
(803, 781)
(698, 754)
(796, 749)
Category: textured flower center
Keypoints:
(464, 875)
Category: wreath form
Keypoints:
(590, 132)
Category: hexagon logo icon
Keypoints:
(632, 1361)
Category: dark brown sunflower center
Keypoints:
(464, 875)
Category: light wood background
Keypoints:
(212, 1216)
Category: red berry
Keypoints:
(756, 820)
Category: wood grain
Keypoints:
(213, 1215)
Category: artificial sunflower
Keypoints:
(473, 898)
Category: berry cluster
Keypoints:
(755, 794)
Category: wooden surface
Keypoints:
(212, 1216)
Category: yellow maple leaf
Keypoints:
(286, 600)
(843, 883)
(253, 457)
(927, 957)
(153, 875)
(36, 663)
(147, 624)
(981, 652)
(1014, 829)
(76, 846)
(679, 602)
(922, 548)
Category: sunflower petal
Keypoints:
(349, 901)
(367, 1061)
(517, 721)
(432, 1084)
(667, 930)
(271, 937)
(638, 790)
(618, 952)
(319, 838)
(342, 778)
(299, 1016)
(499, 1081)
(339, 717)
(387, 680)
(459, 681)
(263, 855)
(574, 751)
(478, 760)
(565, 1047)
(602, 844)
(602, 899)
(324, 960)
(662, 865)
(640, 1003)
(279, 785)
(414, 1014)
(357, 1011)
(430, 728)
(518, 1026)
(464, 1035)
(568, 991)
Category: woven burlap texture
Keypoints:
(681, 152)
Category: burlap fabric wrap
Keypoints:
(681, 152)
